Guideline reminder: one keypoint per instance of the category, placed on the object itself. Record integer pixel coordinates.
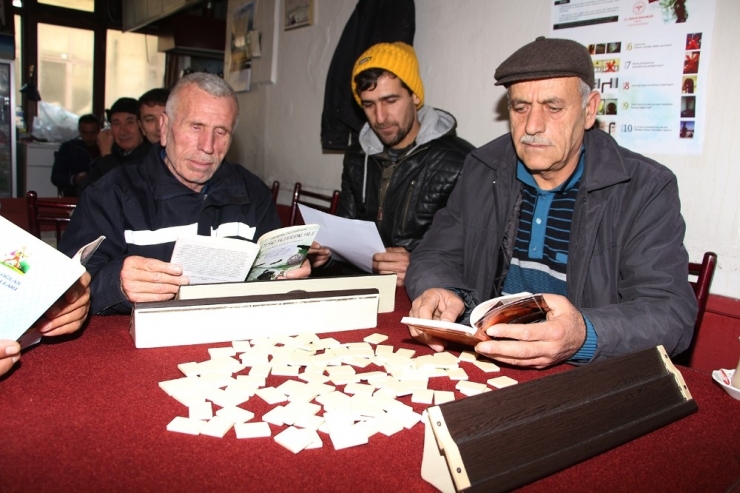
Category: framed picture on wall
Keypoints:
(298, 13)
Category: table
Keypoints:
(87, 414)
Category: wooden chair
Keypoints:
(704, 273)
(275, 191)
(49, 211)
(322, 202)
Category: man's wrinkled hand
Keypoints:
(435, 304)
(148, 279)
(69, 312)
(542, 344)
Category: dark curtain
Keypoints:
(372, 22)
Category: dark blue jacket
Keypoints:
(142, 209)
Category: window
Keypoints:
(65, 72)
(132, 65)
(86, 5)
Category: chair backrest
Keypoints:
(704, 273)
(322, 202)
(275, 191)
(48, 211)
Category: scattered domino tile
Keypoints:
(216, 427)
(295, 439)
(442, 396)
(252, 430)
(189, 369)
(457, 374)
(486, 366)
(501, 382)
(235, 414)
(185, 425)
(271, 395)
(423, 396)
(216, 352)
(347, 436)
(468, 356)
(200, 410)
(376, 338)
(275, 416)
(471, 388)
(241, 346)
(349, 421)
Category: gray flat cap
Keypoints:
(547, 58)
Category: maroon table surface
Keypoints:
(87, 414)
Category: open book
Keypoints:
(33, 275)
(209, 259)
(520, 308)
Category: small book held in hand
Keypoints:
(520, 308)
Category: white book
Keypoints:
(33, 275)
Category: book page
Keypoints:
(282, 250)
(209, 259)
(33, 275)
(354, 240)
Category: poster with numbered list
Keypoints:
(651, 61)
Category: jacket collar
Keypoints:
(604, 166)
(219, 189)
(434, 124)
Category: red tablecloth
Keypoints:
(87, 415)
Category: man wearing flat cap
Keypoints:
(558, 207)
(408, 157)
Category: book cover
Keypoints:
(520, 308)
(33, 275)
(281, 251)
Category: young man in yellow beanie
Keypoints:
(407, 159)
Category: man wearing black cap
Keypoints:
(122, 144)
(559, 208)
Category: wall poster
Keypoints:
(651, 59)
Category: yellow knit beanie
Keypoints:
(397, 58)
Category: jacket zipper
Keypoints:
(407, 205)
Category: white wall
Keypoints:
(460, 43)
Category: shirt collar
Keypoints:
(524, 176)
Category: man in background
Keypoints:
(151, 106)
(72, 160)
(183, 187)
(559, 208)
(122, 144)
(407, 160)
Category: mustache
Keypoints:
(535, 139)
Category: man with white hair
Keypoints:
(559, 208)
(184, 186)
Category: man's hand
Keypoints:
(394, 260)
(318, 255)
(10, 353)
(105, 142)
(303, 271)
(540, 344)
(435, 304)
(69, 312)
(148, 279)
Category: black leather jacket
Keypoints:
(413, 187)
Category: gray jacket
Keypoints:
(627, 268)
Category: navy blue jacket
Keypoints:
(142, 209)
